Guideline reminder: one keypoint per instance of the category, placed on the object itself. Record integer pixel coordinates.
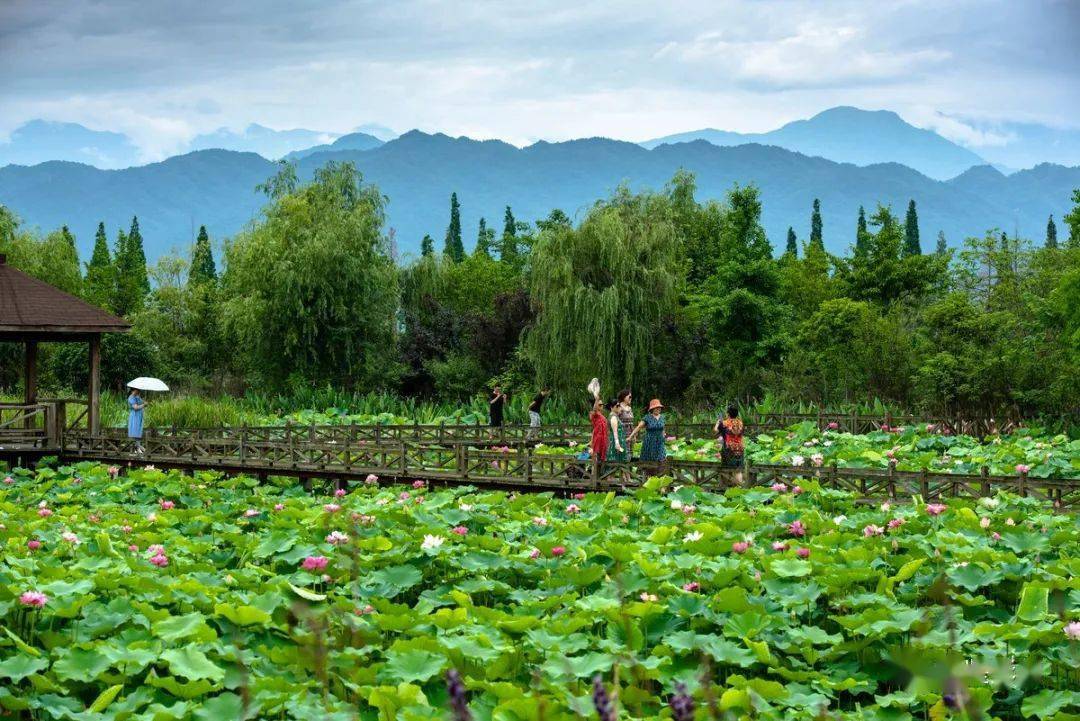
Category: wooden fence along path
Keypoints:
(348, 453)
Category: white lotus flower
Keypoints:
(839, 520)
(431, 541)
(692, 536)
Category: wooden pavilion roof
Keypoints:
(32, 308)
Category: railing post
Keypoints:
(243, 444)
(985, 472)
(1022, 484)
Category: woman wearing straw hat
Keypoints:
(652, 448)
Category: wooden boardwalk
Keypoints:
(349, 454)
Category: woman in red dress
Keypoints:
(599, 445)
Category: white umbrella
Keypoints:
(143, 383)
(594, 387)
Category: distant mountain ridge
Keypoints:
(418, 171)
(351, 141)
(852, 135)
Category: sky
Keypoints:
(164, 72)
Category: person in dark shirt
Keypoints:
(534, 413)
(495, 406)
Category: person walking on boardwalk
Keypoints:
(534, 413)
(652, 447)
(617, 443)
(730, 431)
(496, 404)
(626, 419)
(135, 418)
(598, 447)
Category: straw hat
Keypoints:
(655, 403)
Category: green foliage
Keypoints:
(485, 239)
(792, 248)
(328, 313)
(601, 289)
(1051, 233)
(427, 246)
(132, 278)
(1073, 221)
(861, 232)
(508, 242)
(942, 246)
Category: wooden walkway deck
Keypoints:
(342, 456)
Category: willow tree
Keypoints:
(602, 292)
(311, 291)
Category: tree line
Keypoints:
(656, 290)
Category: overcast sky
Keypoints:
(522, 71)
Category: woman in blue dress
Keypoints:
(135, 418)
(652, 448)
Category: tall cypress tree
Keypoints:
(1051, 233)
(942, 246)
(484, 238)
(100, 285)
(454, 248)
(792, 243)
(203, 269)
(861, 233)
(911, 231)
(508, 250)
(427, 246)
(815, 225)
(137, 259)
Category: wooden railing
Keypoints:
(320, 453)
(29, 426)
(551, 434)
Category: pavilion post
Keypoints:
(93, 413)
(30, 379)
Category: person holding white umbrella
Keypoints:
(136, 404)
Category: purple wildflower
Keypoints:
(455, 689)
(602, 700)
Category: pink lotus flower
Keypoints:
(558, 551)
(1072, 631)
(33, 599)
(160, 560)
(167, 505)
(778, 487)
(573, 508)
(535, 553)
(279, 506)
(895, 523)
(314, 563)
(418, 499)
(779, 546)
(133, 548)
(33, 544)
(404, 496)
(459, 530)
(692, 587)
(796, 528)
(8, 480)
(833, 426)
(371, 480)
(579, 496)
(331, 508)
(688, 509)
(539, 521)
(1022, 468)
(740, 546)
(125, 529)
(935, 509)
(94, 518)
(996, 536)
(114, 471)
(890, 453)
(336, 537)
(802, 552)
(340, 493)
(155, 549)
(494, 464)
(418, 484)
(873, 530)
(366, 610)
(796, 490)
(984, 522)
(817, 459)
(363, 519)
(44, 512)
(70, 538)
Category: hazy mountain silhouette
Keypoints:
(418, 171)
(352, 141)
(851, 135)
(260, 139)
(39, 141)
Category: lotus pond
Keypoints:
(1034, 451)
(156, 596)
